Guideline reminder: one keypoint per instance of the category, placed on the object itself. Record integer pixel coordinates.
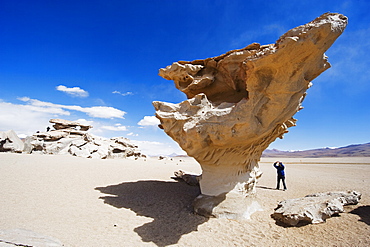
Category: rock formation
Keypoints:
(72, 138)
(60, 124)
(315, 208)
(240, 102)
(10, 142)
(188, 178)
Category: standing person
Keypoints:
(280, 174)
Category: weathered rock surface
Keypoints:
(10, 142)
(241, 101)
(71, 138)
(22, 237)
(65, 124)
(315, 208)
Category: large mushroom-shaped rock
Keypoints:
(240, 102)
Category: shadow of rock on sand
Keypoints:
(266, 188)
(363, 212)
(168, 203)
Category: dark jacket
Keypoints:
(280, 169)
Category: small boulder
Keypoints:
(314, 208)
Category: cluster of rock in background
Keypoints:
(69, 137)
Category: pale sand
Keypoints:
(84, 202)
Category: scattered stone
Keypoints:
(190, 179)
(241, 101)
(10, 142)
(315, 208)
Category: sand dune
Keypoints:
(84, 202)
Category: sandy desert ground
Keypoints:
(84, 202)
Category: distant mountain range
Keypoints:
(358, 150)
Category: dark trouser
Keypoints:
(282, 178)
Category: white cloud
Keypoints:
(84, 121)
(123, 94)
(26, 119)
(23, 119)
(73, 91)
(39, 106)
(99, 111)
(158, 148)
(116, 127)
(95, 111)
(132, 134)
(149, 121)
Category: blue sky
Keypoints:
(97, 61)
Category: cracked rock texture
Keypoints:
(315, 208)
(241, 101)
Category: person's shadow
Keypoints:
(168, 203)
(265, 187)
